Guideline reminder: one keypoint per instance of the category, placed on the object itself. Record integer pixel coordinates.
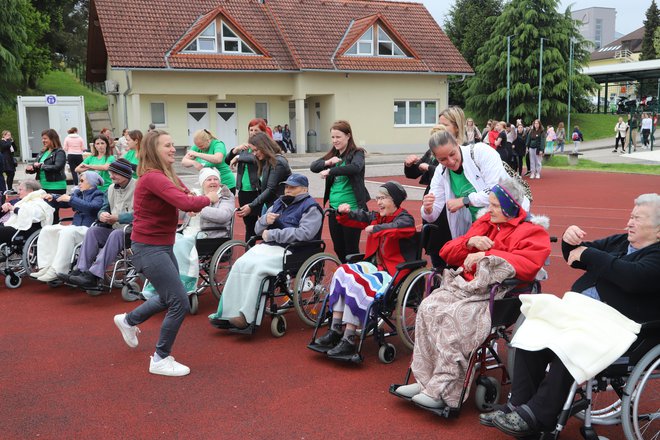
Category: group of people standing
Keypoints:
(631, 130)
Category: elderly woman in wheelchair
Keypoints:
(294, 217)
(454, 320)
(623, 271)
(354, 286)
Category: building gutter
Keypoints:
(332, 58)
(388, 72)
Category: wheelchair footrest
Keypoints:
(318, 348)
(446, 411)
(354, 358)
(394, 387)
(249, 330)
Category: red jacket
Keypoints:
(391, 241)
(155, 203)
(525, 245)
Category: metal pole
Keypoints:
(570, 86)
(508, 75)
(540, 78)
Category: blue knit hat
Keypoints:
(93, 178)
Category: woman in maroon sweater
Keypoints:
(158, 196)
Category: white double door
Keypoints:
(226, 121)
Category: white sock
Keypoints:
(157, 358)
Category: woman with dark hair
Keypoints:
(343, 170)
(7, 164)
(74, 146)
(534, 143)
(49, 167)
(133, 142)
(99, 161)
(247, 178)
(158, 197)
(272, 169)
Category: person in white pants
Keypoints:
(56, 243)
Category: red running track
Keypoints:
(67, 374)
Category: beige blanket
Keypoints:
(586, 334)
(451, 323)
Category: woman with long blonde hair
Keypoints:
(158, 196)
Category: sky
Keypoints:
(628, 17)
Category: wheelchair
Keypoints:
(277, 295)
(623, 393)
(19, 256)
(385, 316)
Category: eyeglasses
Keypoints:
(379, 198)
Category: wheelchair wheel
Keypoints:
(30, 253)
(487, 393)
(387, 353)
(222, 262)
(641, 401)
(312, 286)
(411, 294)
(131, 292)
(13, 281)
(278, 326)
(194, 303)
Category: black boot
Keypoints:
(343, 349)
(329, 340)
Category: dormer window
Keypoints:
(205, 42)
(376, 42)
(230, 42)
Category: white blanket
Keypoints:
(586, 334)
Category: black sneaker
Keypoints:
(85, 279)
(330, 339)
(343, 349)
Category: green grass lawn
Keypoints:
(57, 82)
(561, 162)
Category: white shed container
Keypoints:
(39, 113)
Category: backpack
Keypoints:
(512, 174)
(576, 136)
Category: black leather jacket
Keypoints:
(269, 186)
(53, 166)
(353, 169)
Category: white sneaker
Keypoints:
(127, 331)
(168, 367)
(409, 391)
(39, 273)
(49, 276)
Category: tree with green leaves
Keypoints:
(651, 24)
(66, 39)
(37, 56)
(13, 40)
(529, 21)
(468, 25)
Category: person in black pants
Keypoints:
(247, 177)
(629, 285)
(343, 170)
(7, 164)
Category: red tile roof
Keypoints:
(291, 35)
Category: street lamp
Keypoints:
(508, 74)
(540, 77)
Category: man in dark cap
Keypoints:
(103, 242)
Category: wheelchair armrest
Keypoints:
(299, 244)
(253, 240)
(66, 219)
(354, 258)
(649, 326)
(410, 265)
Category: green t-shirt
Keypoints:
(131, 156)
(93, 160)
(341, 191)
(226, 176)
(245, 179)
(45, 184)
(461, 187)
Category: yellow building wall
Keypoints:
(365, 100)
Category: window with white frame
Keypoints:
(415, 113)
(205, 42)
(261, 110)
(225, 41)
(232, 43)
(376, 42)
(158, 113)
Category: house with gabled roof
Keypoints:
(216, 64)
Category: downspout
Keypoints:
(457, 80)
(128, 90)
